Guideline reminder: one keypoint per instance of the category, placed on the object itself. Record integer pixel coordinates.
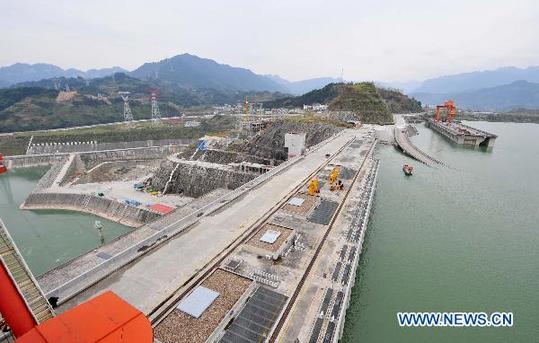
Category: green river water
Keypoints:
(464, 238)
(47, 239)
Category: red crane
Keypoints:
(449, 105)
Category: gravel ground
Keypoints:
(256, 242)
(304, 208)
(180, 327)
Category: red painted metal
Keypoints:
(3, 168)
(12, 305)
(105, 318)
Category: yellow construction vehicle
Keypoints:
(333, 178)
(314, 187)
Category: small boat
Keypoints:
(3, 168)
(407, 169)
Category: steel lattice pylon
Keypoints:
(156, 115)
(128, 115)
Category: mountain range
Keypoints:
(477, 80)
(201, 81)
(515, 95)
(185, 71)
(24, 72)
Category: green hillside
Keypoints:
(37, 105)
(367, 102)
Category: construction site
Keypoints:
(268, 224)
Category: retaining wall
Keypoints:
(51, 175)
(23, 161)
(67, 147)
(197, 179)
(106, 208)
(91, 159)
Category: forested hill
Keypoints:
(371, 104)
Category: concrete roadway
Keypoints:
(406, 145)
(148, 281)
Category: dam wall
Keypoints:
(75, 146)
(23, 161)
(196, 178)
(106, 208)
(145, 153)
(51, 175)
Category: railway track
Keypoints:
(298, 289)
(168, 305)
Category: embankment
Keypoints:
(106, 208)
(196, 178)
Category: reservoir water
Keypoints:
(464, 238)
(47, 239)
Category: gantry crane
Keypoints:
(451, 111)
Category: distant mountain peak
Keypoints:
(25, 72)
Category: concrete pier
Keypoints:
(462, 134)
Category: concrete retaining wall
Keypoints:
(225, 157)
(91, 159)
(51, 175)
(67, 147)
(23, 161)
(197, 179)
(106, 208)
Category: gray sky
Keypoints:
(386, 40)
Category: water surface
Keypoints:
(464, 238)
(47, 238)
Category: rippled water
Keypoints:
(464, 238)
(47, 238)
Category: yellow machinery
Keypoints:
(333, 177)
(314, 187)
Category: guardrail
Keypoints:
(69, 289)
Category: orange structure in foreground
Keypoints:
(105, 318)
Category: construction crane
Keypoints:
(449, 105)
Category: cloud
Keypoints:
(372, 40)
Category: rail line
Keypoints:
(295, 295)
(168, 305)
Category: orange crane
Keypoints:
(451, 111)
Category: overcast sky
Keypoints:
(385, 40)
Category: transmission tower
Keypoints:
(128, 115)
(156, 115)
